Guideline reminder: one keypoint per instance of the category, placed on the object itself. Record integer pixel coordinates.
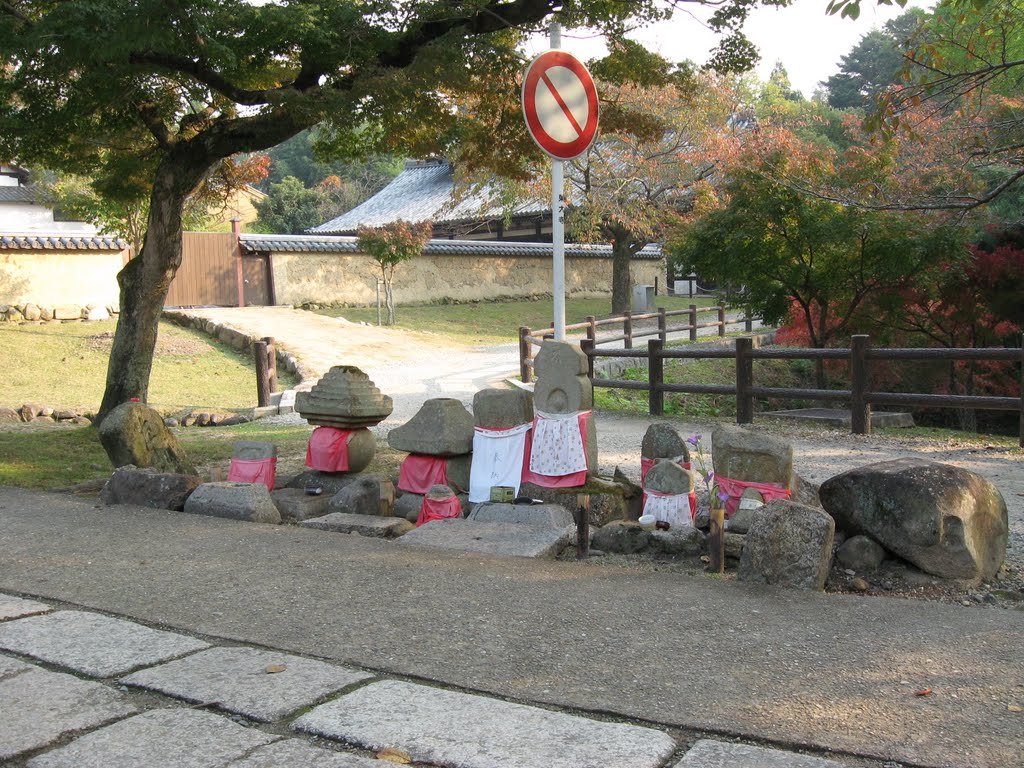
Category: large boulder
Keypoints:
(788, 545)
(945, 520)
(148, 488)
(441, 427)
(135, 434)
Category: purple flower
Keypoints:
(694, 440)
(723, 496)
(709, 478)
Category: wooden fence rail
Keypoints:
(528, 339)
(859, 395)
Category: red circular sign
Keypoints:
(560, 104)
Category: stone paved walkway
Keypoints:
(77, 691)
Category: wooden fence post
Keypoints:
(259, 350)
(662, 325)
(591, 327)
(587, 345)
(524, 354)
(860, 410)
(271, 362)
(627, 328)
(582, 526)
(693, 322)
(721, 320)
(744, 380)
(655, 378)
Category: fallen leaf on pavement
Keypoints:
(394, 755)
(1014, 708)
(275, 668)
(923, 692)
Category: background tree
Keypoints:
(390, 245)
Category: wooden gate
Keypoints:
(208, 274)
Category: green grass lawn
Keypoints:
(494, 322)
(64, 365)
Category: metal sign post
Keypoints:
(559, 102)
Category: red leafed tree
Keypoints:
(390, 245)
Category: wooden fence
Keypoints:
(528, 339)
(859, 395)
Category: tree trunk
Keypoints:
(144, 283)
(622, 283)
(389, 301)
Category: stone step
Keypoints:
(719, 754)
(462, 535)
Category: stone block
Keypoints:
(463, 535)
(328, 482)
(457, 470)
(294, 753)
(92, 643)
(742, 454)
(41, 707)
(344, 398)
(668, 477)
(97, 313)
(12, 607)
(148, 488)
(502, 408)
(707, 753)
(373, 526)
(788, 545)
(260, 684)
(368, 495)
(183, 738)
(67, 312)
(295, 505)
(491, 732)
(408, 506)
(441, 427)
(134, 434)
(945, 520)
(253, 450)
(604, 507)
(238, 501)
(550, 516)
(627, 537)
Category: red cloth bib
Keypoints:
(735, 488)
(438, 510)
(419, 473)
(327, 450)
(248, 471)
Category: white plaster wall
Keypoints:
(22, 218)
(53, 278)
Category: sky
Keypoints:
(807, 41)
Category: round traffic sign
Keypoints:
(560, 104)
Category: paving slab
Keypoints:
(263, 685)
(294, 753)
(39, 706)
(162, 738)
(92, 643)
(462, 535)
(365, 525)
(12, 607)
(708, 753)
(488, 733)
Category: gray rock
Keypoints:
(442, 427)
(742, 454)
(668, 477)
(67, 312)
(329, 483)
(134, 434)
(32, 312)
(662, 441)
(457, 469)
(183, 738)
(678, 542)
(491, 732)
(562, 385)
(238, 501)
(861, 554)
(41, 707)
(148, 488)
(462, 535)
(408, 506)
(97, 313)
(788, 545)
(945, 520)
(295, 505)
(805, 492)
(295, 753)
(627, 537)
(551, 516)
(373, 526)
(46, 313)
(362, 497)
(604, 507)
(260, 684)
(734, 544)
(252, 450)
(502, 408)
(440, 493)
(93, 644)
(8, 414)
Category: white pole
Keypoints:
(557, 223)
